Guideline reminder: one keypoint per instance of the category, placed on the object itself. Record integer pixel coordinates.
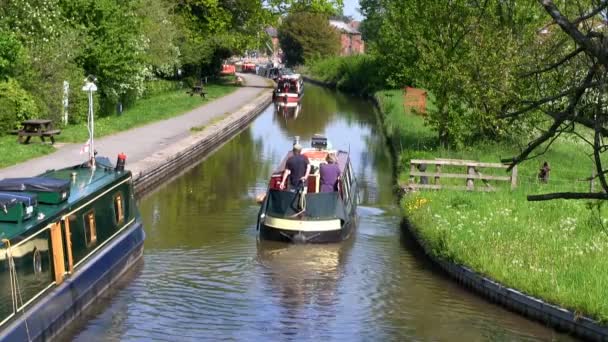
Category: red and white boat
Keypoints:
(290, 89)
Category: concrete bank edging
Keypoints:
(559, 318)
(175, 159)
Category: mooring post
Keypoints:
(514, 177)
(412, 170)
(470, 172)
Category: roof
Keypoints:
(86, 183)
(343, 27)
(272, 32)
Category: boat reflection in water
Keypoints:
(289, 110)
(304, 279)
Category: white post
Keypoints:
(91, 87)
(66, 93)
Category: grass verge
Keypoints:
(552, 250)
(154, 108)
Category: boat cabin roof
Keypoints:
(86, 183)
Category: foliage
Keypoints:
(569, 85)
(329, 7)
(10, 53)
(307, 35)
(358, 74)
(16, 105)
(451, 50)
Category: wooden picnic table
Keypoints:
(198, 89)
(38, 127)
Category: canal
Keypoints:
(204, 275)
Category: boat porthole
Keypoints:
(37, 261)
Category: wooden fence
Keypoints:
(418, 168)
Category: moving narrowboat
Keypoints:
(289, 90)
(309, 214)
(66, 236)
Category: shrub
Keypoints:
(16, 105)
(159, 86)
(360, 74)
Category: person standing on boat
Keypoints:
(297, 168)
(329, 173)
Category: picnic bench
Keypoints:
(36, 128)
(198, 89)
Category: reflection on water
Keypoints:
(206, 276)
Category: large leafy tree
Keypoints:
(464, 52)
(307, 35)
(570, 74)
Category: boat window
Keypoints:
(119, 212)
(90, 230)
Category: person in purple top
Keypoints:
(329, 174)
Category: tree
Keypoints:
(308, 35)
(464, 52)
(571, 77)
(329, 7)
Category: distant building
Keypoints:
(351, 42)
(274, 36)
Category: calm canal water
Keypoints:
(206, 277)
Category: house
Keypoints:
(351, 42)
(274, 36)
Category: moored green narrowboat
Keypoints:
(80, 236)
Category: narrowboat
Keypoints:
(289, 90)
(66, 236)
(310, 215)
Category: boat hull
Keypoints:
(48, 316)
(294, 236)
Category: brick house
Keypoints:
(274, 36)
(351, 42)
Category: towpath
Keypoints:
(138, 143)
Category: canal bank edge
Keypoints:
(177, 158)
(554, 316)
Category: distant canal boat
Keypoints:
(289, 90)
(309, 214)
(67, 235)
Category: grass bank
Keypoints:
(157, 107)
(356, 74)
(554, 250)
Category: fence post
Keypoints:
(437, 170)
(592, 185)
(412, 170)
(470, 171)
(514, 177)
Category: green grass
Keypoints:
(554, 250)
(147, 110)
(11, 152)
(157, 107)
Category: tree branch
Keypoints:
(570, 28)
(568, 195)
(602, 5)
(556, 64)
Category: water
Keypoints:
(205, 275)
